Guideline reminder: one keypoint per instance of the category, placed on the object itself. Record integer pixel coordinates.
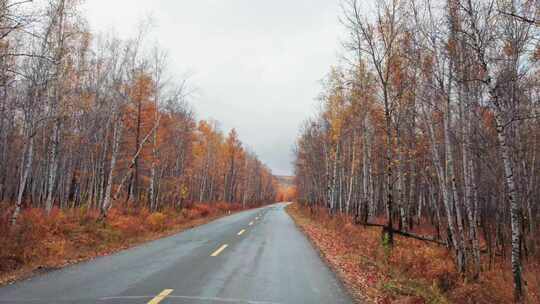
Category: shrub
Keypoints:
(55, 248)
(45, 240)
(203, 209)
(235, 207)
(156, 221)
(223, 207)
(128, 225)
(191, 214)
(31, 229)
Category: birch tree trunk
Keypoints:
(452, 186)
(26, 167)
(513, 198)
(401, 185)
(351, 177)
(53, 162)
(117, 137)
(58, 19)
(469, 188)
(366, 171)
(444, 186)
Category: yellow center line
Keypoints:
(161, 296)
(241, 231)
(217, 252)
(250, 223)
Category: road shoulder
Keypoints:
(318, 236)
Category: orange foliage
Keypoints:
(156, 221)
(67, 236)
(203, 209)
(286, 194)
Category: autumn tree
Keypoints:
(433, 121)
(96, 122)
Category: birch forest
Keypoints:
(93, 121)
(431, 121)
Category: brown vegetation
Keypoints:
(412, 272)
(433, 121)
(64, 237)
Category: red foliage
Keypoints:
(157, 221)
(63, 237)
(203, 209)
(411, 272)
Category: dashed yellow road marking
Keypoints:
(217, 252)
(241, 231)
(251, 223)
(161, 296)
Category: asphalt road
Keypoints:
(256, 256)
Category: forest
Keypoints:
(428, 128)
(92, 124)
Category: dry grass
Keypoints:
(412, 271)
(39, 242)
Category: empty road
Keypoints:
(256, 256)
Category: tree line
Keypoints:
(432, 119)
(92, 120)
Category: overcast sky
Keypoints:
(256, 64)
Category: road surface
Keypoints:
(256, 256)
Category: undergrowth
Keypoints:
(412, 271)
(40, 241)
